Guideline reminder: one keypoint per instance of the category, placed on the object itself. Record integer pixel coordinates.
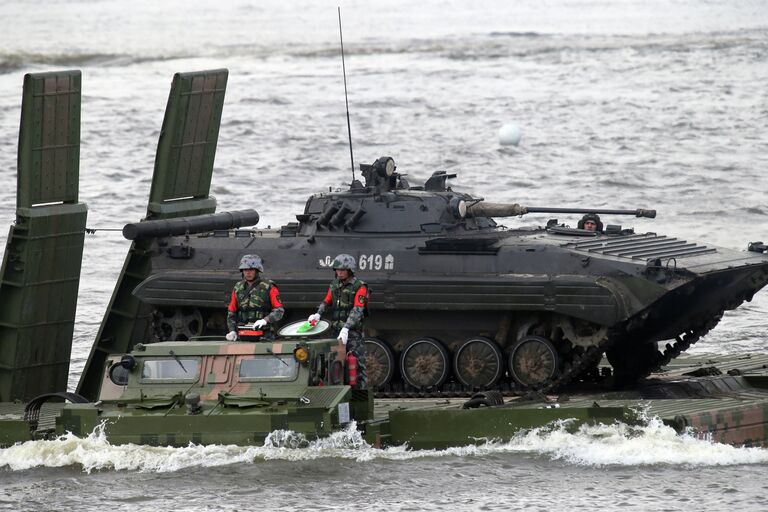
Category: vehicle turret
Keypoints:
(432, 208)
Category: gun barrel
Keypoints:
(190, 225)
(638, 212)
(513, 209)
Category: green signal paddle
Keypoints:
(306, 326)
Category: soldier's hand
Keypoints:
(258, 324)
(313, 319)
(344, 335)
(232, 335)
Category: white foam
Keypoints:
(620, 444)
(599, 445)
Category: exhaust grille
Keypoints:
(643, 247)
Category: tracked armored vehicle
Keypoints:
(458, 302)
(458, 299)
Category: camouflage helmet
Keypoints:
(251, 261)
(344, 262)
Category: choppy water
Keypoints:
(603, 467)
(622, 104)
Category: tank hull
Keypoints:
(500, 287)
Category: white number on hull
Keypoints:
(365, 262)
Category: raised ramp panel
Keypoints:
(40, 273)
(187, 146)
(180, 187)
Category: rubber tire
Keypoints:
(549, 349)
(490, 350)
(425, 347)
(378, 350)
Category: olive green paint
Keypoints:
(40, 273)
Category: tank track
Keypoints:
(578, 366)
(450, 390)
(682, 343)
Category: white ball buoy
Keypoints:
(510, 135)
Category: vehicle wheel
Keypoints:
(533, 361)
(425, 363)
(478, 363)
(379, 362)
(179, 324)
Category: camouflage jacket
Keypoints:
(349, 301)
(251, 303)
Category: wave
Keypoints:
(516, 34)
(618, 444)
(492, 45)
(10, 62)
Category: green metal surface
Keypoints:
(444, 427)
(40, 273)
(187, 146)
(730, 408)
(49, 139)
(180, 187)
(14, 428)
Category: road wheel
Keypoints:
(425, 363)
(179, 324)
(379, 362)
(478, 363)
(533, 360)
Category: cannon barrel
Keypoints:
(512, 209)
(638, 212)
(190, 225)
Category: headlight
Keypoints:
(301, 354)
(118, 374)
(389, 167)
(385, 166)
(458, 207)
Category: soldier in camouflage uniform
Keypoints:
(255, 303)
(348, 297)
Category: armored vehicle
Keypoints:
(210, 391)
(458, 302)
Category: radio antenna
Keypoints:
(346, 100)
